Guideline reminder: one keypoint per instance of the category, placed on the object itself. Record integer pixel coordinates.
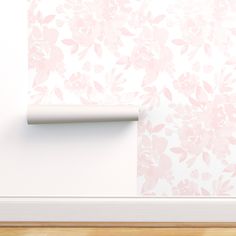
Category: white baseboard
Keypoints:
(118, 209)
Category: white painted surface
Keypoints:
(54, 160)
(119, 210)
(68, 160)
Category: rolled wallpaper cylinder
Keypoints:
(49, 114)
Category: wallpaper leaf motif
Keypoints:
(175, 59)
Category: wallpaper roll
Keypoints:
(49, 114)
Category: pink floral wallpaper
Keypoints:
(175, 59)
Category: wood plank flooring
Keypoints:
(115, 231)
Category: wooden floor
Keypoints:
(57, 231)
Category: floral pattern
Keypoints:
(175, 59)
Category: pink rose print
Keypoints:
(176, 61)
(152, 57)
(194, 30)
(186, 84)
(186, 188)
(44, 55)
(194, 139)
(78, 83)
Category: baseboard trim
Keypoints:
(116, 210)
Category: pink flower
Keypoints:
(219, 113)
(218, 120)
(84, 29)
(44, 55)
(207, 128)
(151, 53)
(186, 188)
(194, 138)
(186, 84)
(99, 22)
(157, 165)
(141, 57)
(77, 83)
(194, 30)
(221, 7)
